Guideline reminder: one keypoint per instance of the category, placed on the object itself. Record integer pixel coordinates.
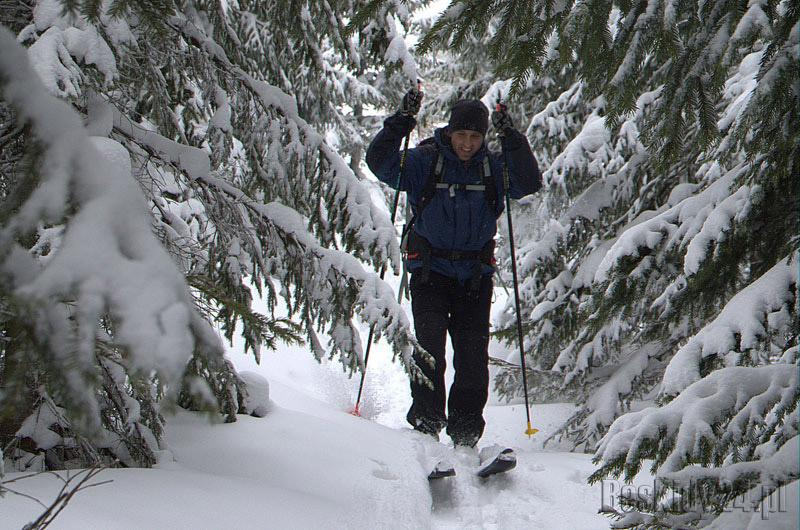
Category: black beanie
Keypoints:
(469, 114)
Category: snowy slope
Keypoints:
(321, 468)
(318, 467)
(310, 464)
(288, 470)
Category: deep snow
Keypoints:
(310, 464)
(319, 467)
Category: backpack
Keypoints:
(434, 181)
(414, 246)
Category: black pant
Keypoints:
(441, 305)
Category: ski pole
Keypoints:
(502, 282)
(404, 288)
(356, 410)
(530, 431)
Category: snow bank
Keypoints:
(257, 402)
(287, 470)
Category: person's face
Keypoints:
(466, 143)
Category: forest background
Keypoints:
(163, 163)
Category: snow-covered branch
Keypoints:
(707, 214)
(732, 400)
(109, 260)
(327, 270)
(756, 312)
(353, 205)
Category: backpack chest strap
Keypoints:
(486, 174)
(435, 181)
(459, 187)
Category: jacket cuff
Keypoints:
(399, 125)
(513, 139)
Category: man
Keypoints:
(455, 190)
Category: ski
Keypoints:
(493, 463)
(442, 470)
(504, 461)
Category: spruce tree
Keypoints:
(666, 217)
(213, 119)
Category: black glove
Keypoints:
(501, 120)
(411, 102)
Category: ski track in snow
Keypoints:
(546, 490)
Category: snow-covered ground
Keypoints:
(310, 464)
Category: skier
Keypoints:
(455, 190)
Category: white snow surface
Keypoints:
(310, 464)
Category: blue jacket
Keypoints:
(464, 221)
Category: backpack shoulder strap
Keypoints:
(434, 176)
(489, 184)
(428, 146)
(434, 180)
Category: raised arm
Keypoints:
(523, 170)
(383, 153)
